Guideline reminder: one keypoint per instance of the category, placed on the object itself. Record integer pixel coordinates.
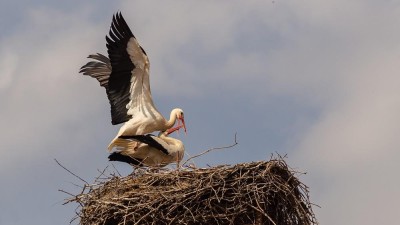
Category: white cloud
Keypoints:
(46, 93)
(352, 148)
(8, 65)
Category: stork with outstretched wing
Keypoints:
(125, 76)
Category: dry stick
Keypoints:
(69, 171)
(211, 149)
(76, 185)
(101, 173)
(116, 169)
(66, 193)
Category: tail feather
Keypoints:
(122, 144)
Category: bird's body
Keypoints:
(125, 76)
(143, 125)
(152, 151)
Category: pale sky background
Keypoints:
(316, 80)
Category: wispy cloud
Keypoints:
(40, 88)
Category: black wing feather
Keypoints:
(120, 78)
(147, 139)
(99, 69)
(116, 156)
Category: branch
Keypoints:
(71, 172)
(211, 149)
(116, 170)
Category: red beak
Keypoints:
(172, 130)
(183, 124)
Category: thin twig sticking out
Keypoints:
(211, 149)
(71, 172)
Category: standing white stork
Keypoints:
(152, 151)
(125, 77)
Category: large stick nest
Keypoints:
(249, 193)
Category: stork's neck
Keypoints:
(172, 119)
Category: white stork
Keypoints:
(152, 150)
(125, 76)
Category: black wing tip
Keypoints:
(117, 156)
(118, 21)
(84, 68)
(118, 15)
(95, 56)
(98, 56)
(136, 137)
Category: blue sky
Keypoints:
(318, 81)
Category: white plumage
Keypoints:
(152, 150)
(125, 76)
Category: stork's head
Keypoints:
(181, 119)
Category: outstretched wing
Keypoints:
(151, 140)
(128, 86)
(125, 75)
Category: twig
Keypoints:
(69, 171)
(101, 173)
(211, 149)
(116, 169)
(76, 185)
(60, 190)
